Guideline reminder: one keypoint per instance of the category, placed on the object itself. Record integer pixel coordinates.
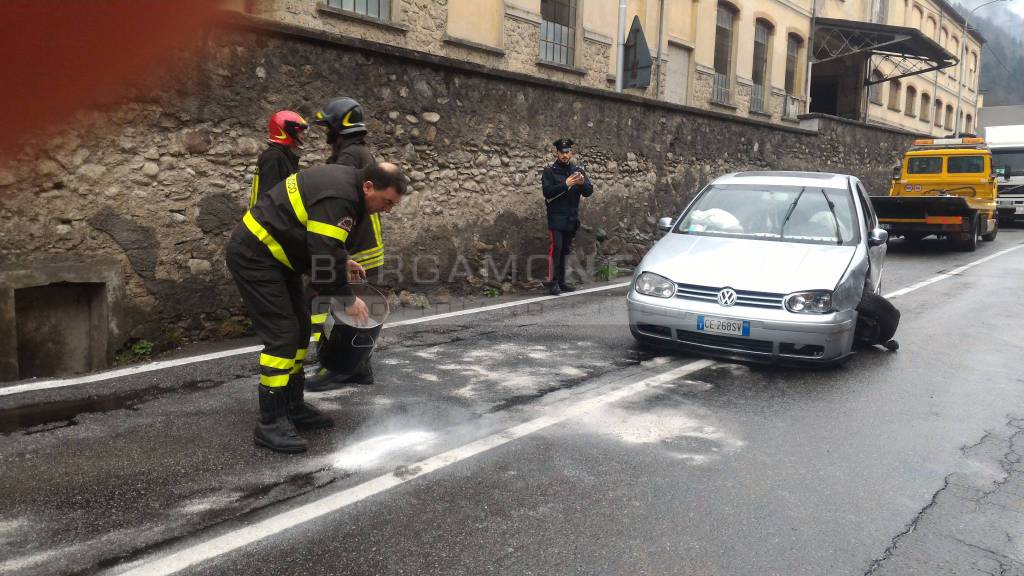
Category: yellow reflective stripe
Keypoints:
(300, 355)
(274, 381)
(367, 254)
(316, 337)
(318, 318)
(255, 188)
(339, 234)
(265, 237)
(371, 264)
(292, 184)
(375, 218)
(276, 362)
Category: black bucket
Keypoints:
(344, 346)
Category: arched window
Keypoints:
(875, 90)
(968, 125)
(926, 107)
(916, 18)
(973, 70)
(944, 37)
(910, 104)
(929, 27)
(938, 113)
(762, 48)
(955, 49)
(894, 94)
(949, 117)
(725, 26)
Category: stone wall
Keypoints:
(157, 181)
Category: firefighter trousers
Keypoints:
(276, 302)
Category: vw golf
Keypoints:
(767, 266)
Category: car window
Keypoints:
(924, 165)
(779, 213)
(965, 164)
(870, 220)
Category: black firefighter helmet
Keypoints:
(342, 116)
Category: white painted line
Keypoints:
(164, 364)
(950, 274)
(231, 541)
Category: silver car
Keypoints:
(762, 265)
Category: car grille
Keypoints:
(743, 297)
(718, 341)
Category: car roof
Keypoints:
(782, 178)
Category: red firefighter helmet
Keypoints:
(286, 127)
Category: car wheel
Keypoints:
(877, 320)
(968, 241)
(991, 235)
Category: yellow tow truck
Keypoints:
(945, 187)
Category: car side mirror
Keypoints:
(896, 172)
(665, 224)
(878, 237)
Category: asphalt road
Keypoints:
(539, 440)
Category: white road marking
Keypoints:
(950, 274)
(231, 541)
(164, 364)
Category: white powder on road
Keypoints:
(682, 435)
(371, 452)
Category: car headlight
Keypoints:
(810, 302)
(650, 284)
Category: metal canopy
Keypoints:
(908, 51)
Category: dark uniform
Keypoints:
(563, 207)
(302, 221)
(275, 164)
(366, 245)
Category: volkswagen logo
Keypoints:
(727, 297)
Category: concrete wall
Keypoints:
(155, 183)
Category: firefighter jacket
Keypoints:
(366, 244)
(305, 223)
(563, 202)
(275, 164)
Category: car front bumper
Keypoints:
(776, 335)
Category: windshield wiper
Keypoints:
(832, 209)
(792, 207)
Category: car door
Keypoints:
(876, 254)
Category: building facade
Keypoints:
(750, 58)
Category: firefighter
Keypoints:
(301, 226)
(346, 133)
(563, 183)
(281, 159)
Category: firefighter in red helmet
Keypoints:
(281, 159)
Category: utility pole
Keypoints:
(620, 46)
(960, 65)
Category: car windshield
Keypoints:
(808, 215)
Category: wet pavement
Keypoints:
(895, 463)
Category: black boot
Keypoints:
(554, 289)
(566, 287)
(325, 379)
(273, 429)
(301, 413)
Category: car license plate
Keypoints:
(723, 326)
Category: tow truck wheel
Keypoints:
(992, 233)
(968, 241)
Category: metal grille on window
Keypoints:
(723, 55)
(558, 31)
(379, 9)
(760, 71)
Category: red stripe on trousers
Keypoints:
(551, 256)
